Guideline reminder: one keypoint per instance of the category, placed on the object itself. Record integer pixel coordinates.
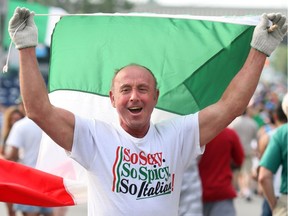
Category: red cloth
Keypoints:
(25, 185)
(215, 166)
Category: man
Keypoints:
(279, 118)
(136, 168)
(246, 128)
(275, 156)
(222, 152)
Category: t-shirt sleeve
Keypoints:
(271, 158)
(191, 142)
(83, 142)
(15, 137)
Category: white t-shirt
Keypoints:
(135, 176)
(191, 192)
(26, 136)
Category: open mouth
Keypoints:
(135, 110)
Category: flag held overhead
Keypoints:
(187, 56)
(193, 60)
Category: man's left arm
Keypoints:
(236, 97)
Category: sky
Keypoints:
(224, 3)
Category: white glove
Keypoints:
(22, 28)
(266, 41)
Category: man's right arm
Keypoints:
(234, 100)
(55, 122)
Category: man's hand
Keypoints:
(266, 39)
(22, 29)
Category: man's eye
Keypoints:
(125, 90)
(143, 89)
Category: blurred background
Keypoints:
(271, 89)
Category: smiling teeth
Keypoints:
(135, 108)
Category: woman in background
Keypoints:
(11, 115)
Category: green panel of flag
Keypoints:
(193, 60)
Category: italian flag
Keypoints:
(193, 59)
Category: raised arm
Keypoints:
(236, 97)
(57, 123)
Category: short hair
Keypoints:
(134, 64)
(280, 113)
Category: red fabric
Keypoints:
(25, 185)
(215, 166)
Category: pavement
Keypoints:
(243, 208)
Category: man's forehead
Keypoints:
(133, 69)
(133, 72)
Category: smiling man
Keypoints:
(119, 180)
(134, 94)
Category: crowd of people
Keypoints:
(232, 144)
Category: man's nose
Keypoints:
(134, 95)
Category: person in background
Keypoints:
(11, 115)
(246, 128)
(275, 156)
(60, 211)
(2, 109)
(23, 145)
(20, 105)
(279, 118)
(224, 151)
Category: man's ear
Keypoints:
(112, 98)
(156, 95)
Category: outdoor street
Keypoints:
(243, 208)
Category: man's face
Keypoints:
(134, 96)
